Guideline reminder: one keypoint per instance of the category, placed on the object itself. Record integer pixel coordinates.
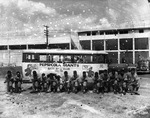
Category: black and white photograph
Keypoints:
(74, 58)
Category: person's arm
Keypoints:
(63, 79)
(79, 79)
(12, 79)
(21, 78)
(108, 77)
(69, 78)
(126, 77)
(137, 78)
(15, 78)
(6, 79)
(100, 77)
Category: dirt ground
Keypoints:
(63, 105)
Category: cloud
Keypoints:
(104, 22)
(28, 6)
(32, 7)
(77, 22)
(30, 16)
(15, 14)
(113, 14)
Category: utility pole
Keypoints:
(46, 32)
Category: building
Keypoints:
(126, 45)
(123, 45)
(11, 49)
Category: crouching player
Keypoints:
(75, 82)
(67, 82)
(98, 84)
(59, 83)
(122, 78)
(9, 80)
(113, 82)
(18, 82)
(44, 85)
(51, 82)
(83, 82)
(35, 82)
(90, 79)
(134, 82)
(105, 78)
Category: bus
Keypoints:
(57, 61)
(143, 66)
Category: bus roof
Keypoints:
(60, 51)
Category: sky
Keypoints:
(26, 18)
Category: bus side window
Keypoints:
(43, 58)
(55, 58)
(28, 57)
(78, 59)
(101, 59)
(50, 58)
(87, 59)
(33, 56)
(98, 58)
(36, 57)
(25, 57)
(95, 59)
(72, 59)
(68, 59)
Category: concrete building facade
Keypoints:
(126, 45)
(123, 45)
(11, 49)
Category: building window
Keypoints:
(17, 47)
(141, 43)
(139, 55)
(98, 44)
(82, 34)
(95, 32)
(59, 46)
(123, 32)
(86, 44)
(3, 47)
(113, 57)
(112, 44)
(37, 46)
(141, 31)
(43, 58)
(126, 44)
(111, 32)
(102, 32)
(126, 57)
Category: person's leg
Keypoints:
(131, 89)
(8, 89)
